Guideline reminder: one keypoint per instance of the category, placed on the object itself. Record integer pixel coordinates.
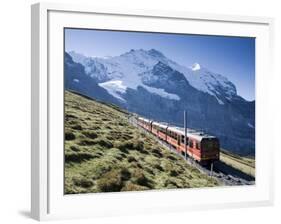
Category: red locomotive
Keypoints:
(201, 147)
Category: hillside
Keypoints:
(104, 153)
(244, 164)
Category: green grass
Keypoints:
(244, 164)
(105, 153)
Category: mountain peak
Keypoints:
(195, 67)
(155, 53)
(77, 57)
(152, 53)
(129, 65)
(133, 52)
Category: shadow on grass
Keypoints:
(232, 171)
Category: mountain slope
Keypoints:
(77, 80)
(150, 84)
(105, 153)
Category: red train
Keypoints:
(201, 147)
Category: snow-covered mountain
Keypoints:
(122, 72)
(150, 84)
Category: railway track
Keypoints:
(224, 173)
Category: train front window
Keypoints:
(210, 144)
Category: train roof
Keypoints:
(160, 124)
(144, 119)
(198, 135)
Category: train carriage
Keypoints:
(160, 130)
(201, 147)
(145, 123)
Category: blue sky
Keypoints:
(233, 57)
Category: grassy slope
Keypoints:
(103, 152)
(244, 164)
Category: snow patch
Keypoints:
(162, 93)
(219, 101)
(227, 97)
(195, 67)
(115, 88)
(250, 125)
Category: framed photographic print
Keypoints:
(148, 111)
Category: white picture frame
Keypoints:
(47, 198)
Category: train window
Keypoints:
(182, 139)
(197, 145)
(191, 144)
